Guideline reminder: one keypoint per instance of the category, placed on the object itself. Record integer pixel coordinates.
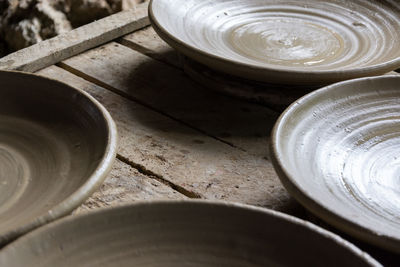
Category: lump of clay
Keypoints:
(26, 22)
(85, 11)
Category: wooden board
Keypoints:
(163, 148)
(126, 185)
(53, 50)
(169, 91)
(147, 42)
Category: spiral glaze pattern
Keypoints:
(35, 165)
(284, 35)
(187, 233)
(340, 147)
(53, 145)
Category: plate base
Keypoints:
(272, 95)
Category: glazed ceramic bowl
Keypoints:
(57, 145)
(284, 41)
(337, 151)
(182, 233)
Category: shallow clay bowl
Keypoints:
(182, 233)
(57, 145)
(337, 151)
(284, 41)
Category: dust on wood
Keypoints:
(126, 185)
(147, 42)
(169, 91)
(186, 157)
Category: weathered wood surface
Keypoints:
(189, 161)
(168, 90)
(126, 185)
(147, 42)
(51, 51)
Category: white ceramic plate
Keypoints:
(182, 233)
(337, 151)
(284, 41)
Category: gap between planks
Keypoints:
(148, 173)
(143, 170)
(124, 185)
(187, 158)
(140, 168)
(245, 125)
(148, 52)
(138, 101)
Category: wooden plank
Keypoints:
(51, 51)
(169, 91)
(157, 145)
(393, 73)
(146, 41)
(126, 185)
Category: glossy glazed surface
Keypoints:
(190, 233)
(337, 150)
(56, 146)
(284, 40)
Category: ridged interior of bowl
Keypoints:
(52, 139)
(287, 34)
(341, 147)
(182, 234)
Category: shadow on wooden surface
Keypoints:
(274, 96)
(175, 94)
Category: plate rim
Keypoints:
(296, 76)
(338, 240)
(92, 182)
(374, 237)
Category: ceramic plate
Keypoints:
(337, 150)
(182, 233)
(284, 41)
(56, 146)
